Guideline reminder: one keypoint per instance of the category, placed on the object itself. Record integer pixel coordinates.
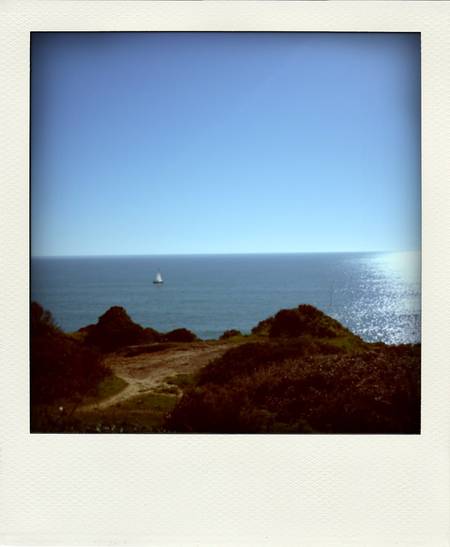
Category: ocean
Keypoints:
(376, 295)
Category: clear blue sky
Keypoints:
(159, 143)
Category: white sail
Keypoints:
(158, 278)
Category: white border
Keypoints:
(216, 490)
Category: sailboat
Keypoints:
(158, 279)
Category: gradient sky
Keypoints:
(158, 143)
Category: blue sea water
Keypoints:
(376, 295)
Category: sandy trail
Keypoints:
(147, 372)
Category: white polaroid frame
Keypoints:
(215, 489)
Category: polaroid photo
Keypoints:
(224, 286)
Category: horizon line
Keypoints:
(222, 253)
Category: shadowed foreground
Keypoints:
(297, 372)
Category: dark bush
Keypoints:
(180, 335)
(207, 411)
(304, 320)
(60, 367)
(41, 321)
(114, 329)
(230, 333)
(152, 335)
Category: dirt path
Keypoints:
(147, 372)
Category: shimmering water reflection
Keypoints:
(381, 298)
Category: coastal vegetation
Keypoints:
(63, 371)
(304, 387)
(299, 371)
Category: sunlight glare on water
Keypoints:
(384, 304)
